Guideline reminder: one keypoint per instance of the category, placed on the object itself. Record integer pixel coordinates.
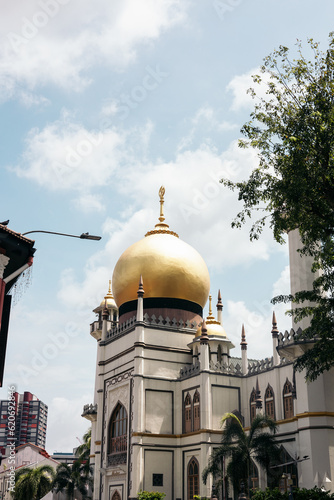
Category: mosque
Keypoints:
(165, 377)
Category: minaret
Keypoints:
(274, 332)
(301, 276)
(140, 303)
(219, 308)
(206, 413)
(243, 343)
(258, 401)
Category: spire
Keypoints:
(243, 342)
(258, 400)
(161, 227)
(140, 301)
(274, 329)
(219, 303)
(204, 336)
(220, 308)
(105, 312)
(140, 291)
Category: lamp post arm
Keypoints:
(83, 236)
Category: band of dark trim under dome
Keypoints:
(162, 303)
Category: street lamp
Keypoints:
(83, 236)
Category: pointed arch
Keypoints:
(187, 413)
(269, 402)
(196, 411)
(254, 476)
(288, 399)
(252, 404)
(193, 478)
(116, 496)
(117, 435)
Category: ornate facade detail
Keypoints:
(3, 263)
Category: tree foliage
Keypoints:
(73, 478)
(298, 494)
(292, 129)
(239, 448)
(33, 483)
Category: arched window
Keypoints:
(254, 476)
(193, 478)
(269, 400)
(187, 414)
(196, 408)
(117, 445)
(219, 354)
(287, 399)
(252, 403)
(116, 496)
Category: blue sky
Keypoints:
(101, 103)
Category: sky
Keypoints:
(101, 103)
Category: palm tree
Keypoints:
(73, 478)
(33, 483)
(241, 447)
(83, 451)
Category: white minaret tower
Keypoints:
(301, 276)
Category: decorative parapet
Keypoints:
(189, 370)
(90, 412)
(172, 324)
(122, 328)
(291, 345)
(226, 369)
(152, 321)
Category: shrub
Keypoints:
(150, 495)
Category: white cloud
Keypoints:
(65, 423)
(65, 155)
(89, 203)
(58, 41)
(203, 125)
(257, 318)
(239, 86)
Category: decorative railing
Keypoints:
(122, 328)
(96, 325)
(118, 444)
(117, 459)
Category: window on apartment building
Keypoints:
(196, 409)
(269, 401)
(287, 399)
(193, 478)
(187, 413)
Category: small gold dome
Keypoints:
(170, 268)
(111, 304)
(214, 328)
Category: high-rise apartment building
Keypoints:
(30, 421)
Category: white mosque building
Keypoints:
(163, 381)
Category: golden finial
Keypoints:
(109, 290)
(161, 227)
(211, 317)
(161, 196)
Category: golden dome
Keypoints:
(170, 268)
(111, 304)
(214, 328)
